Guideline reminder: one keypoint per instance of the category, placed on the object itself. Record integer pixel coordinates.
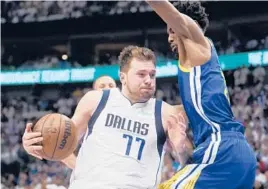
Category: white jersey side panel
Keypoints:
(122, 151)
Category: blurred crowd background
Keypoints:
(46, 35)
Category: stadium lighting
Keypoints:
(64, 57)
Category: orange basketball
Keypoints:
(59, 136)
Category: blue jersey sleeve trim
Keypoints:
(97, 112)
(161, 136)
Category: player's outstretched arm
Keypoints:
(82, 115)
(175, 122)
(181, 24)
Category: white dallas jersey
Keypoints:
(123, 146)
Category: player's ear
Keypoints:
(122, 77)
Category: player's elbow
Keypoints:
(70, 161)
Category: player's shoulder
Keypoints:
(99, 93)
(93, 95)
(90, 101)
(92, 98)
(114, 91)
(210, 42)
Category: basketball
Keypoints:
(59, 136)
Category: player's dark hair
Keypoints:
(130, 52)
(194, 10)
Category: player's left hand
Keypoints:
(177, 132)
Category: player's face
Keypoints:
(104, 83)
(172, 39)
(140, 79)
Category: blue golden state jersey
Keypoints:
(206, 101)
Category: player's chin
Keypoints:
(146, 95)
(175, 52)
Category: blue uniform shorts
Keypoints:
(228, 163)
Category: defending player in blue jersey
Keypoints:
(222, 159)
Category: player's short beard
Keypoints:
(138, 95)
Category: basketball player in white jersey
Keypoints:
(125, 130)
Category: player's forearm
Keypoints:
(170, 15)
(166, 10)
(184, 157)
(70, 161)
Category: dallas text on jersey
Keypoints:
(118, 122)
